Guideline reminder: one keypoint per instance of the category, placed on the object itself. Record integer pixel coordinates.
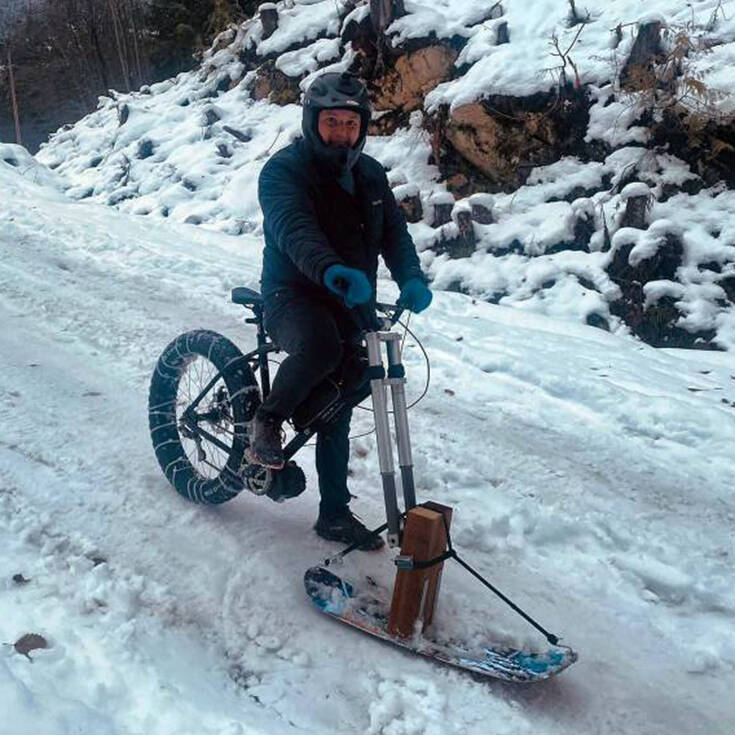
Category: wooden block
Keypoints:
(432, 593)
(414, 593)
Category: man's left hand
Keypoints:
(415, 295)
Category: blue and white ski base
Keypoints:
(338, 598)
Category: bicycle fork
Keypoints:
(379, 382)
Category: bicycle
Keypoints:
(204, 392)
(213, 423)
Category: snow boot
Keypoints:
(347, 529)
(265, 440)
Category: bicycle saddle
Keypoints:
(246, 296)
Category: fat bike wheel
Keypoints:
(202, 395)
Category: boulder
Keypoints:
(504, 137)
(412, 77)
(272, 84)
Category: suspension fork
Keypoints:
(379, 382)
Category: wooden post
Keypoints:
(416, 590)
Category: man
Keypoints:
(328, 212)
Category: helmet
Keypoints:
(329, 91)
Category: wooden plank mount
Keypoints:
(416, 589)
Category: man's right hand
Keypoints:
(349, 283)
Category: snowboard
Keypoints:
(368, 609)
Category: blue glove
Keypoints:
(349, 283)
(415, 295)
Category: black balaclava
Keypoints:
(334, 91)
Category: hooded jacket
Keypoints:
(310, 222)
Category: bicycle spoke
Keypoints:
(198, 374)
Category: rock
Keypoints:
(272, 84)
(242, 137)
(596, 320)
(727, 284)
(584, 228)
(477, 137)
(30, 642)
(414, 75)
(222, 41)
(457, 183)
(211, 116)
(504, 137)
(145, 148)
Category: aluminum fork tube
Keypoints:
(397, 383)
(382, 431)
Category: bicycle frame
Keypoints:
(376, 383)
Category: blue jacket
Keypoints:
(310, 222)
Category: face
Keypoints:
(339, 128)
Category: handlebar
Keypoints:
(396, 308)
(367, 320)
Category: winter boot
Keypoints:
(265, 440)
(347, 529)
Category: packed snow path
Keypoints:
(591, 477)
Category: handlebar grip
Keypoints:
(365, 317)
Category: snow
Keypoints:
(591, 478)
(309, 59)
(530, 63)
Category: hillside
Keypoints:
(569, 162)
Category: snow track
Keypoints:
(591, 478)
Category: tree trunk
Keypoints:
(119, 41)
(381, 15)
(14, 99)
(136, 50)
(92, 21)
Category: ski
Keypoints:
(365, 610)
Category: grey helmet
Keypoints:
(330, 91)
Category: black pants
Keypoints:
(316, 333)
